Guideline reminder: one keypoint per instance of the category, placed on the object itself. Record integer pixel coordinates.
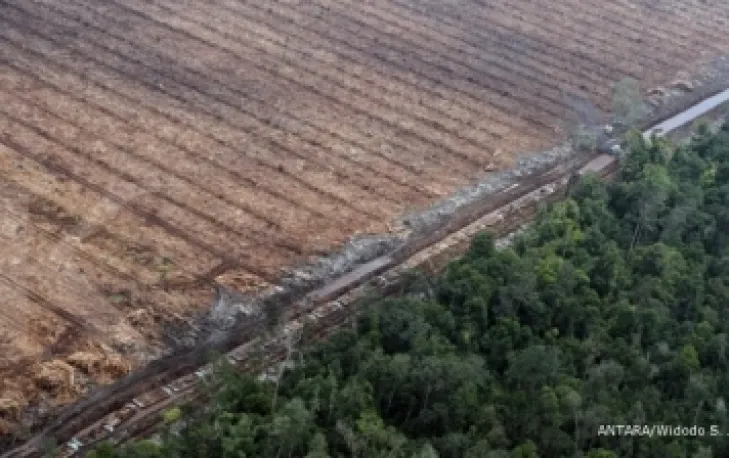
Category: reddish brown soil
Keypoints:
(148, 147)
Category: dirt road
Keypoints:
(149, 148)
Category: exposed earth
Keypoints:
(149, 149)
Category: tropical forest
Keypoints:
(610, 308)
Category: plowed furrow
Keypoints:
(292, 50)
(153, 179)
(256, 101)
(477, 28)
(387, 47)
(97, 212)
(404, 40)
(316, 143)
(588, 40)
(47, 304)
(200, 98)
(228, 169)
(287, 52)
(317, 119)
(499, 52)
(89, 162)
(625, 32)
(19, 139)
(408, 65)
(154, 174)
(36, 232)
(267, 27)
(320, 38)
(688, 34)
(620, 40)
(338, 199)
(326, 89)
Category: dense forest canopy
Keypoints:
(610, 309)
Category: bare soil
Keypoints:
(149, 149)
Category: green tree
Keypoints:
(609, 309)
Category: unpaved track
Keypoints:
(325, 308)
(149, 148)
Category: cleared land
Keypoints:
(149, 148)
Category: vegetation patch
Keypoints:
(610, 309)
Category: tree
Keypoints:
(318, 447)
(584, 138)
(609, 309)
(290, 430)
(525, 450)
(601, 453)
(651, 194)
(534, 367)
(428, 451)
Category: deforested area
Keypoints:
(601, 332)
(149, 149)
